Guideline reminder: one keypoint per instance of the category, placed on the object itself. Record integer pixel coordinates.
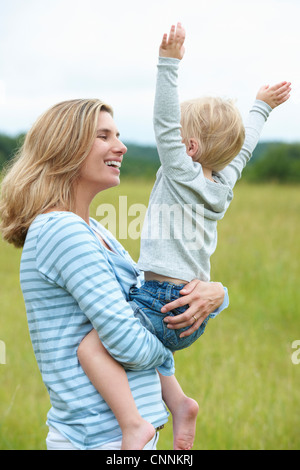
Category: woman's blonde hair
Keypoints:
(217, 126)
(43, 171)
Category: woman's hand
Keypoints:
(202, 297)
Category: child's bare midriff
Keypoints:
(149, 276)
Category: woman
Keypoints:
(75, 276)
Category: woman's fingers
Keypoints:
(191, 330)
(194, 322)
(188, 318)
(189, 287)
(180, 302)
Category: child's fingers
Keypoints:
(177, 34)
(280, 92)
(282, 96)
(172, 34)
(164, 41)
(284, 87)
(280, 88)
(180, 33)
(172, 45)
(277, 86)
(168, 40)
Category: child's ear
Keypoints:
(192, 147)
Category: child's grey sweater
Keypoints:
(180, 229)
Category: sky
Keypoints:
(54, 50)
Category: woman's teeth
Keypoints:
(113, 163)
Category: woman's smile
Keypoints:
(115, 164)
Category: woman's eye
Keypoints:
(104, 137)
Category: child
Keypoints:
(198, 170)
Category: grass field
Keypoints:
(241, 371)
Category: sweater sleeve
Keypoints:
(70, 255)
(166, 120)
(256, 119)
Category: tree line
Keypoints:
(271, 161)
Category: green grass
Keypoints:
(240, 371)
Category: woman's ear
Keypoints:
(192, 147)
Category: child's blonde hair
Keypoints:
(217, 126)
(44, 170)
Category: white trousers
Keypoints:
(56, 441)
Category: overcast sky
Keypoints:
(52, 50)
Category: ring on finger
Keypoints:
(195, 318)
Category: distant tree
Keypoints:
(279, 163)
(8, 147)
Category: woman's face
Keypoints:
(101, 169)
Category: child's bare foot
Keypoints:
(137, 435)
(184, 424)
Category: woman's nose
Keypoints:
(122, 148)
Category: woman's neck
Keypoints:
(83, 211)
(83, 199)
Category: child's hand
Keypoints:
(173, 47)
(275, 95)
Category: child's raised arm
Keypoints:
(271, 97)
(173, 46)
(274, 95)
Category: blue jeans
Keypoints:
(147, 301)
